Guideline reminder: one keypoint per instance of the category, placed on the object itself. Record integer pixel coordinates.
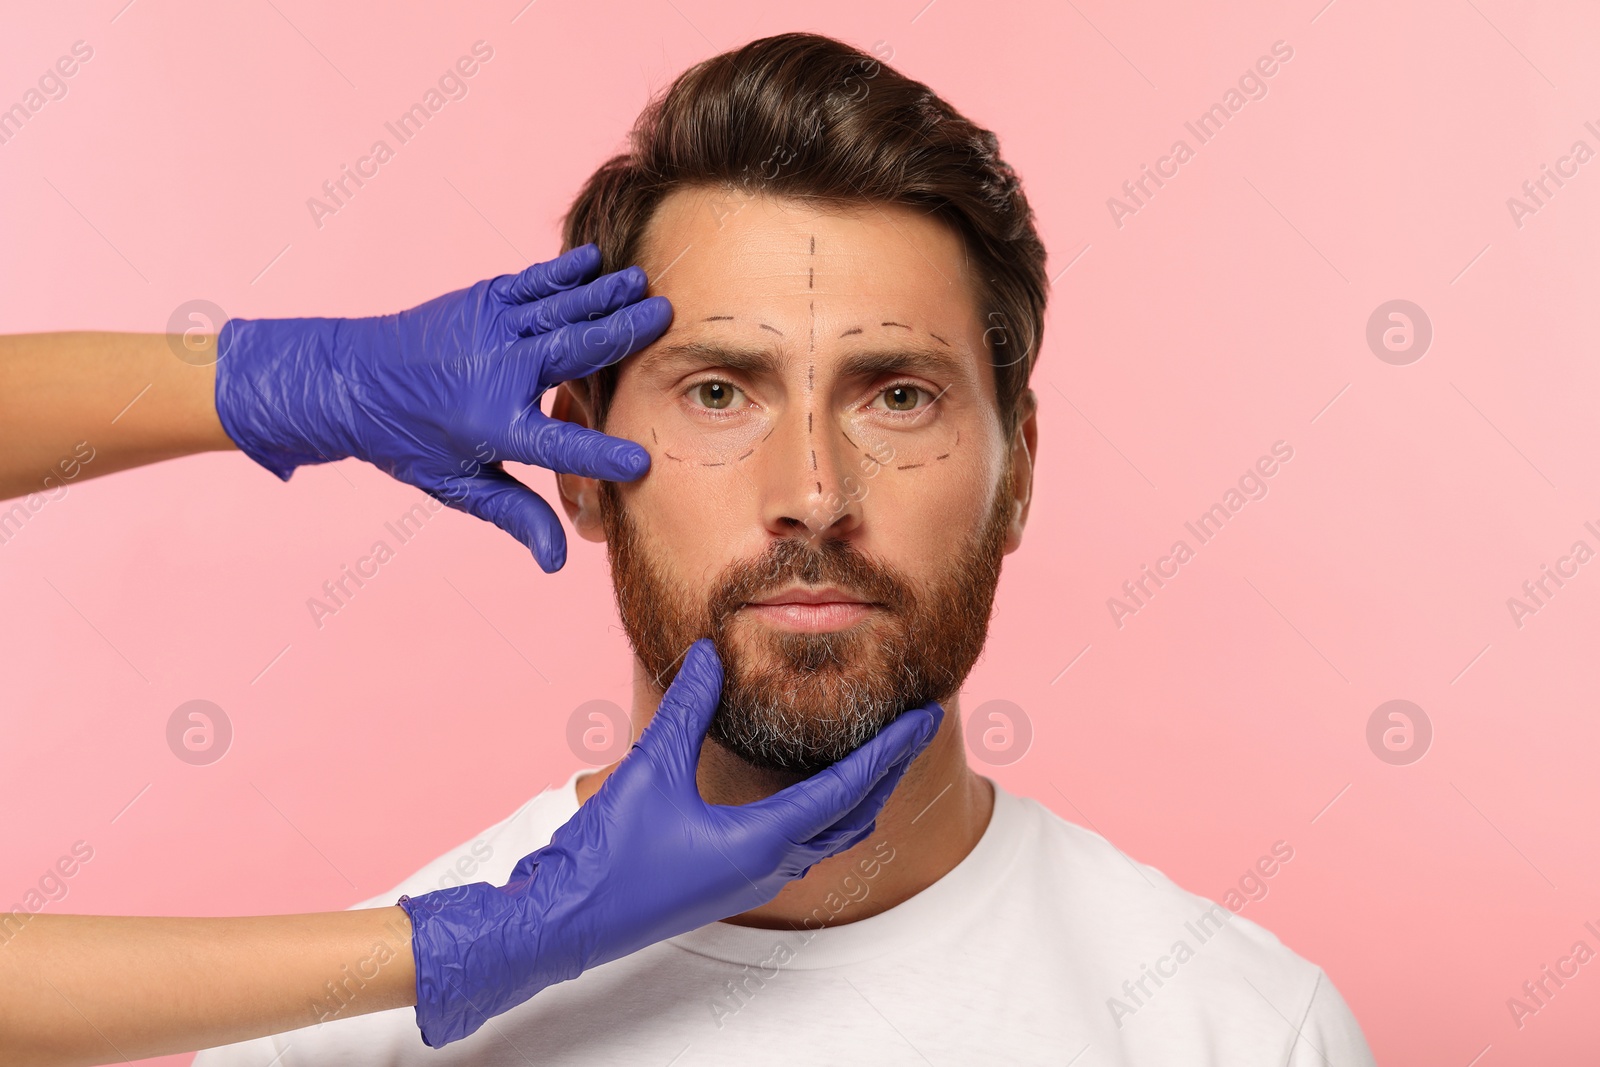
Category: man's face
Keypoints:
(830, 490)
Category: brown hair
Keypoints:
(806, 116)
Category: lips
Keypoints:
(803, 609)
(802, 595)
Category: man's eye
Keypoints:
(903, 397)
(714, 395)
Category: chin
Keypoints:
(802, 701)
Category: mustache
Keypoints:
(832, 562)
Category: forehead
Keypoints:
(717, 251)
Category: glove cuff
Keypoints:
(438, 943)
(261, 371)
(475, 955)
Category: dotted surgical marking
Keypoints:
(718, 318)
(691, 463)
(909, 466)
(811, 343)
(945, 456)
(811, 350)
(752, 450)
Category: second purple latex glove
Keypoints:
(644, 859)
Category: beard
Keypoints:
(795, 701)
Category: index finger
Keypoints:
(554, 276)
(581, 348)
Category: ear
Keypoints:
(579, 496)
(1024, 450)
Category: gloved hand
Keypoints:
(438, 396)
(644, 859)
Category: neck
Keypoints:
(932, 820)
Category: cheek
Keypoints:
(914, 518)
(693, 520)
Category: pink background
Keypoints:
(1228, 313)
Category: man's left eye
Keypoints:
(902, 397)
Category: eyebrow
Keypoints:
(933, 362)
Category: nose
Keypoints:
(808, 483)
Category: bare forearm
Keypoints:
(78, 405)
(84, 989)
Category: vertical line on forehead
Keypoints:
(811, 351)
(811, 275)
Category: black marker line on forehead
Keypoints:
(811, 350)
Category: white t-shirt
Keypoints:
(1019, 955)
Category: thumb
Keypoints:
(495, 496)
(839, 793)
(679, 727)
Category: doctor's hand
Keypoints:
(438, 396)
(644, 859)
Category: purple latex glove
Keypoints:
(644, 859)
(440, 395)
